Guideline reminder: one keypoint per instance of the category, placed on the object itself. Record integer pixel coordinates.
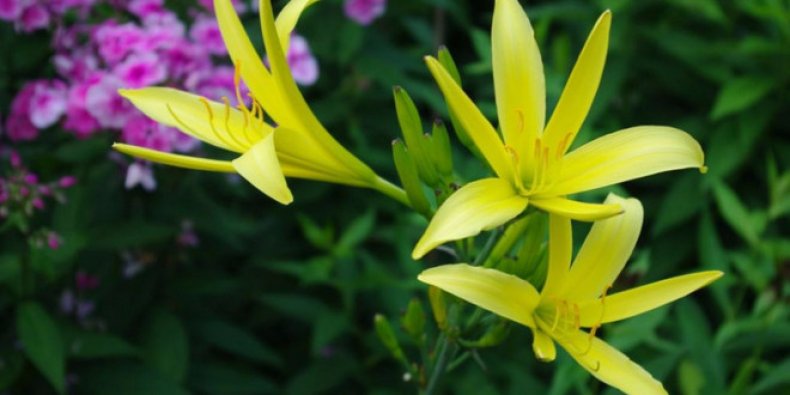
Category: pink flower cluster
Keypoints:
(364, 12)
(22, 195)
(21, 191)
(31, 15)
(146, 45)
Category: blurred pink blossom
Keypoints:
(106, 105)
(304, 66)
(18, 125)
(145, 8)
(47, 104)
(140, 69)
(10, 9)
(140, 174)
(33, 17)
(364, 12)
(115, 41)
(205, 31)
(78, 119)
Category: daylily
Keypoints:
(575, 296)
(531, 164)
(298, 147)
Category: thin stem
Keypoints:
(440, 366)
(492, 239)
(391, 190)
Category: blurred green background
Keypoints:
(281, 300)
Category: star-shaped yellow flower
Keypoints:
(575, 296)
(299, 147)
(530, 159)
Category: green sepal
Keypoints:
(513, 233)
(493, 336)
(387, 337)
(409, 178)
(414, 320)
(411, 127)
(442, 151)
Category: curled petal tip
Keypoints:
(703, 169)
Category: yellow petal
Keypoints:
(261, 168)
(518, 76)
(609, 365)
(247, 60)
(165, 158)
(302, 157)
(560, 250)
(301, 117)
(639, 300)
(604, 253)
(215, 123)
(498, 292)
(543, 346)
(625, 155)
(287, 18)
(579, 92)
(477, 206)
(579, 211)
(474, 122)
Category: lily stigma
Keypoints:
(576, 296)
(299, 146)
(530, 160)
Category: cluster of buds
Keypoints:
(22, 195)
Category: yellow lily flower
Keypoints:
(531, 164)
(575, 296)
(299, 147)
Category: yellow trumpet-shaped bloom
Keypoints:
(299, 147)
(575, 297)
(529, 158)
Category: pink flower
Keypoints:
(33, 17)
(85, 281)
(304, 67)
(144, 8)
(67, 181)
(140, 174)
(53, 240)
(78, 119)
(237, 4)
(106, 105)
(10, 9)
(162, 31)
(205, 31)
(114, 41)
(139, 70)
(47, 104)
(18, 125)
(185, 59)
(364, 12)
(78, 64)
(215, 83)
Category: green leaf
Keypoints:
(696, 334)
(681, 202)
(776, 376)
(88, 345)
(235, 340)
(125, 378)
(165, 346)
(734, 212)
(740, 93)
(691, 378)
(42, 342)
(130, 234)
(219, 378)
(356, 233)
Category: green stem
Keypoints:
(492, 239)
(390, 190)
(440, 366)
